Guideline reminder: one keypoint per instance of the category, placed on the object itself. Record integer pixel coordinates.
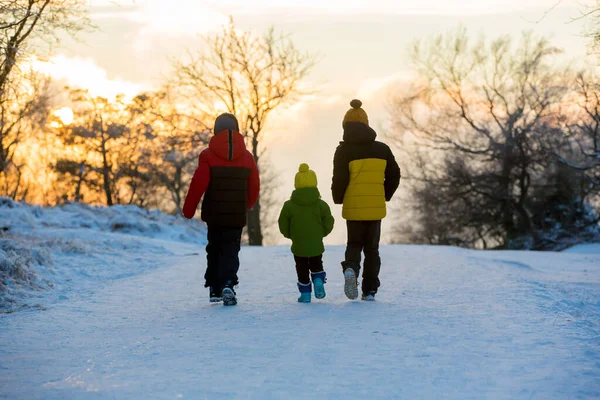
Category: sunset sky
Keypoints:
(362, 48)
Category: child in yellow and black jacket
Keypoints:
(365, 177)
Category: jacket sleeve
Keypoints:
(199, 184)
(341, 176)
(284, 221)
(392, 176)
(327, 218)
(253, 183)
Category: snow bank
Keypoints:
(76, 245)
(590, 248)
(18, 264)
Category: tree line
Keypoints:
(142, 151)
(499, 143)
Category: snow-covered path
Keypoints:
(447, 324)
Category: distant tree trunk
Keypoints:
(78, 189)
(255, 234)
(106, 174)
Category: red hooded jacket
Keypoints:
(228, 178)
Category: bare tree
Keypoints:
(22, 98)
(98, 135)
(591, 14)
(582, 126)
(141, 152)
(73, 177)
(476, 118)
(24, 108)
(24, 20)
(248, 76)
(170, 140)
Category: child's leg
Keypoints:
(302, 269)
(372, 265)
(351, 265)
(354, 246)
(315, 264)
(229, 261)
(304, 286)
(212, 259)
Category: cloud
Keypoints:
(178, 17)
(464, 7)
(85, 73)
(160, 19)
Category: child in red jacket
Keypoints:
(228, 178)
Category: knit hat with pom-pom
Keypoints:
(305, 178)
(356, 113)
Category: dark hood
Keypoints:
(356, 132)
(228, 145)
(306, 196)
(226, 121)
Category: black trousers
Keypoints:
(364, 236)
(222, 256)
(306, 265)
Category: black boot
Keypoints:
(228, 293)
(369, 296)
(215, 295)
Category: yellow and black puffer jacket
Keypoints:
(365, 174)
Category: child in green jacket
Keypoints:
(306, 219)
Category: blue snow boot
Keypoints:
(319, 279)
(305, 292)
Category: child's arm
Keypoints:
(341, 177)
(253, 184)
(284, 221)
(326, 218)
(392, 176)
(199, 184)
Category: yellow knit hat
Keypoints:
(356, 113)
(305, 178)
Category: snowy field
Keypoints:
(121, 313)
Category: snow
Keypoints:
(47, 253)
(589, 248)
(448, 323)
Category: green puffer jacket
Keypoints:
(306, 219)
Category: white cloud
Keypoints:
(386, 6)
(167, 19)
(85, 73)
(160, 19)
(378, 87)
(184, 17)
(178, 17)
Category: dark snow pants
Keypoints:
(306, 265)
(222, 256)
(364, 236)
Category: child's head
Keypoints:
(305, 178)
(356, 114)
(226, 121)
